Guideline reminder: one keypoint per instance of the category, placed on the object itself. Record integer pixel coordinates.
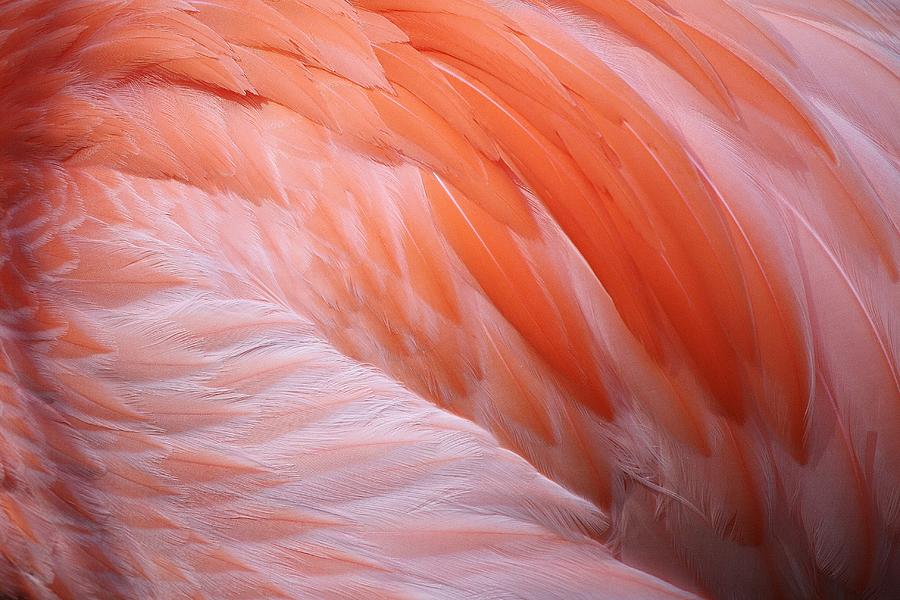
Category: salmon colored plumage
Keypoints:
(449, 299)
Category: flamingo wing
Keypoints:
(449, 299)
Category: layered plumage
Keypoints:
(457, 298)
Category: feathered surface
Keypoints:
(449, 299)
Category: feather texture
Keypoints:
(392, 298)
